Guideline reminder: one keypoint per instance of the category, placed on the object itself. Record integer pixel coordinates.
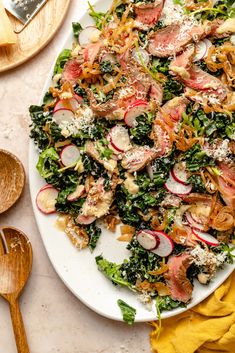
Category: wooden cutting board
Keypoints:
(35, 36)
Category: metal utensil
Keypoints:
(15, 266)
(24, 10)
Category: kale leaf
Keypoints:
(196, 158)
(142, 130)
(167, 303)
(97, 16)
(94, 233)
(112, 271)
(61, 61)
(77, 28)
(128, 312)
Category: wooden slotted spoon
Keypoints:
(15, 266)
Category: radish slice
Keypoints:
(116, 152)
(81, 219)
(108, 57)
(88, 35)
(63, 116)
(77, 193)
(119, 138)
(147, 239)
(149, 169)
(165, 246)
(206, 237)
(71, 104)
(46, 199)
(192, 222)
(179, 173)
(177, 188)
(69, 155)
(133, 111)
(141, 56)
(202, 48)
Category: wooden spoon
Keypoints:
(12, 179)
(15, 266)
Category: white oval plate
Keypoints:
(78, 269)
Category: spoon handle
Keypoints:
(18, 327)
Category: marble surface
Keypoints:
(55, 321)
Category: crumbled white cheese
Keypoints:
(145, 299)
(218, 150)
(172, 13)
(130, 184)
(207, 259)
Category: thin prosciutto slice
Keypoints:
(137, 158)
(174, 109)
(148, 14)
(170, 114)
(91, 51)
(195, 78)
(172, 39)
(72, 71)
(226, 184)
(176, 277)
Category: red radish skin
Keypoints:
(119, 138)
(69, 155)
(179, 173)
(192, 222)
(71, 104)
(177, 188)
(63, 116)
(88, 35)
(205, 237)
(147, 239)
(46, 199)
(116, 152)
(165, 246)
(133, 111)
(81, 219)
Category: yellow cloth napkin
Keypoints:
(209, 327)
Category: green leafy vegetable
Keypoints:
(112, 271)
(106, 66)
(127, 311)
(47, 165)
(197, 183)
(97, 16)
(143, 129)
(196, 158)
(76, 29)
(61, 61)
(167, 303)
(94, 233)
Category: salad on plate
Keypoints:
(137, 132)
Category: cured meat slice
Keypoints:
(137, 158)
(202, 81)
(102, 109)
(176, 277)
(172, 39)
(98, 201)
(72, 71)
(91, 52)
(148, 14)
(180, 65)
(109, 164)
(174, 108)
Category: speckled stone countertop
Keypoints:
(55, 320)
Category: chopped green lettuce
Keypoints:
(128, 312)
